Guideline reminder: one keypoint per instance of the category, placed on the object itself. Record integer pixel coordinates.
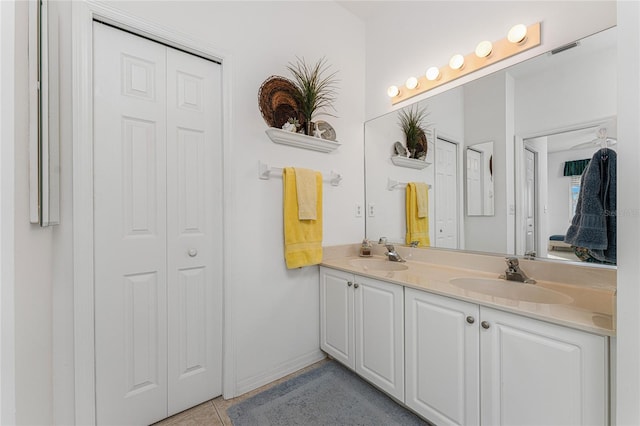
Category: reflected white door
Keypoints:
(530, 200)
(446, 189)
(157, 210)
(474, 183)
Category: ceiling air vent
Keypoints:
(565, 47)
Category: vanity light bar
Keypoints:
(485, 55)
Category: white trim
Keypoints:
(34, 117)
(282, 370)
(568, 128)
(7, 220)
(83, 15)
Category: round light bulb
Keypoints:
(517, 33)
(411, 83)
(393, 91)
(456, 62)
(483, 49)
(432, 73)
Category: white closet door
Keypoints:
(158, 237)
(474, 183)
(130, 228)
(194, 226)
(446, 183)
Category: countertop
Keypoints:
(592, 308)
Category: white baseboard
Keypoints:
(288, 367)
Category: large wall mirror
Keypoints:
(498, 147)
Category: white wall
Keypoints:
(485, 120)
(7, 190)
(573, 82)
(33, 264)
(275, 311)
(628, 296)
(412, 36)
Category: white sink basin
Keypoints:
(511, 290)
(378, 265)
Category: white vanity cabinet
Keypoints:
(442, 347)
(464, 359)
(362, 326)
(537, 373)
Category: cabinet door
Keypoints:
(336, 316)
(537, 373)
(379, 322)
(442, 358)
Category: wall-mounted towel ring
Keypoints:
(265, 172)
(394, 184)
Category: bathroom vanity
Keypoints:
(458, 347)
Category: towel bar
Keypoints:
(394, 184)
(265, 172)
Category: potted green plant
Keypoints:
(413, 124)
(316, 90)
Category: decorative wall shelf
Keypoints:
(411, 163)
(298, 140)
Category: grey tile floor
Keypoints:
(214, 412)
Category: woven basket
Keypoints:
(277, 101)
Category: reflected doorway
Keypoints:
(446, 189)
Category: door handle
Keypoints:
(192, 252)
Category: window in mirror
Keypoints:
(573, 194)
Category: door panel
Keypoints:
(141, 333)
(443, 371)
(536, 373)
(194, 224)
(446, 187)
(336, 314)
(130, 228)
(380, 334)
(139, 177)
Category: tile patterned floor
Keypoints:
(214, 412)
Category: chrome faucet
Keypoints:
(392, 254)
(514, 273)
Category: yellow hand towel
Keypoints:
(422, 197)
(307, 193)
(302, 238)
(417, 227)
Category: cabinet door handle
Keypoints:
(192, 252)
(471, 319)
(356, 285)
(485, 324)
(349, 283)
